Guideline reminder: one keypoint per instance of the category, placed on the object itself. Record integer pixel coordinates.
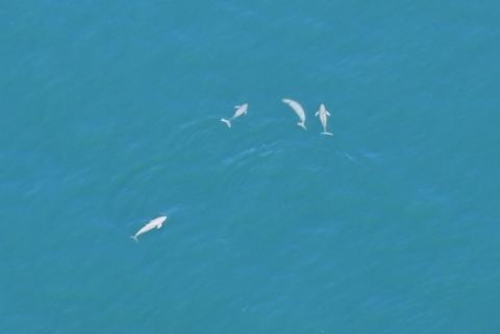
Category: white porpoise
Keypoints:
(240, 110)
(155, 223)
(323, 117)
(298, 110)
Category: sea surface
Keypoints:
(110, 116)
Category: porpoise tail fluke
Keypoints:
(302, 125)
(228, 122)
(326, 133)
(135, 238)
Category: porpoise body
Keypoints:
(298, 110)
(323, 117)
(240, 110)
(155, 223)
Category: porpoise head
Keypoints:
(161, 220)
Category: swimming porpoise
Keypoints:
(298, 110)
(240, 110)
(155, 223)
(323, 117)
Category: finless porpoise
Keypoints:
(240, 110)
(323, 117)
(155, 223)
(298, 110)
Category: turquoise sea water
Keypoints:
(110, 117)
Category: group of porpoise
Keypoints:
(322, 113)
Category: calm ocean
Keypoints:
(110, 116)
